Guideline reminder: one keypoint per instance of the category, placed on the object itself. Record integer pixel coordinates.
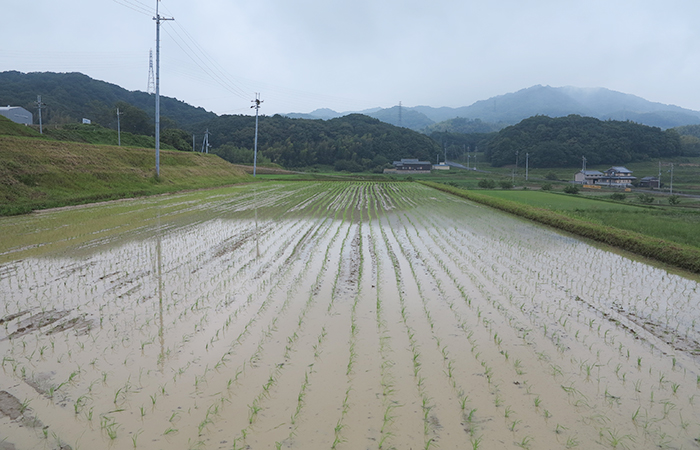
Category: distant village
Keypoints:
(616, 176)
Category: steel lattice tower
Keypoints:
(151, 77)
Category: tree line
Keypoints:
(563, 141)
(352, 143)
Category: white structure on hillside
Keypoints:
(17, 114)
(588, 177)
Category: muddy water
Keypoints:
(335, 315)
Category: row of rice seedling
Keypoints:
(342, 315)
(145, 344)
(606, 335)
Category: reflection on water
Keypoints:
(191, 301)
(257, 242)
(159, 265)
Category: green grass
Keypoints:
(561, 202)
(670, 223)
(41, 173)
(9, 128)
(95, 134)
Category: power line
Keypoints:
(202, 66)
(135, 6)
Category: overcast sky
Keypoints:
(353, 55)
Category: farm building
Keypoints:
(17, 114)
(407, 165)
(650, 182)
(588, 177)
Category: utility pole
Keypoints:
(256, 105)
(583, 168)
(119, 128)
(516, 160)
(193, 142)
(671, 189)
(40, 106)
(527, 166)
(158, 19)
(205, 142)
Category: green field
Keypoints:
(673, 224)
(561, 202)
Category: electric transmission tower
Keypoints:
(257, 102)
(158, 18)
(151, 78)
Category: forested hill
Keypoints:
(353, 143)
(70, 97)
(562, 141)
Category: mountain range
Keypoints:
(509, 109)
(72, 96)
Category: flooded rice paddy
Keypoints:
(335, 316)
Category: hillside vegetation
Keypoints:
(69, 97)
(352, 143)
(41, 173)
(561, 142)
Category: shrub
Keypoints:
(646, 198)
(551, 176)
(572, 189)
(674, 199)
(618, 196)
(505, 184)
(547, 187)
(487, 184)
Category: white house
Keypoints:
(618, 176)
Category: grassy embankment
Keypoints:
(38, 173)
(672, 223)
(680, 255)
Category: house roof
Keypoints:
(591, 172)
(620, 169)
(410, 161)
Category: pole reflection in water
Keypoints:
(255, 203)
(159, 276)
